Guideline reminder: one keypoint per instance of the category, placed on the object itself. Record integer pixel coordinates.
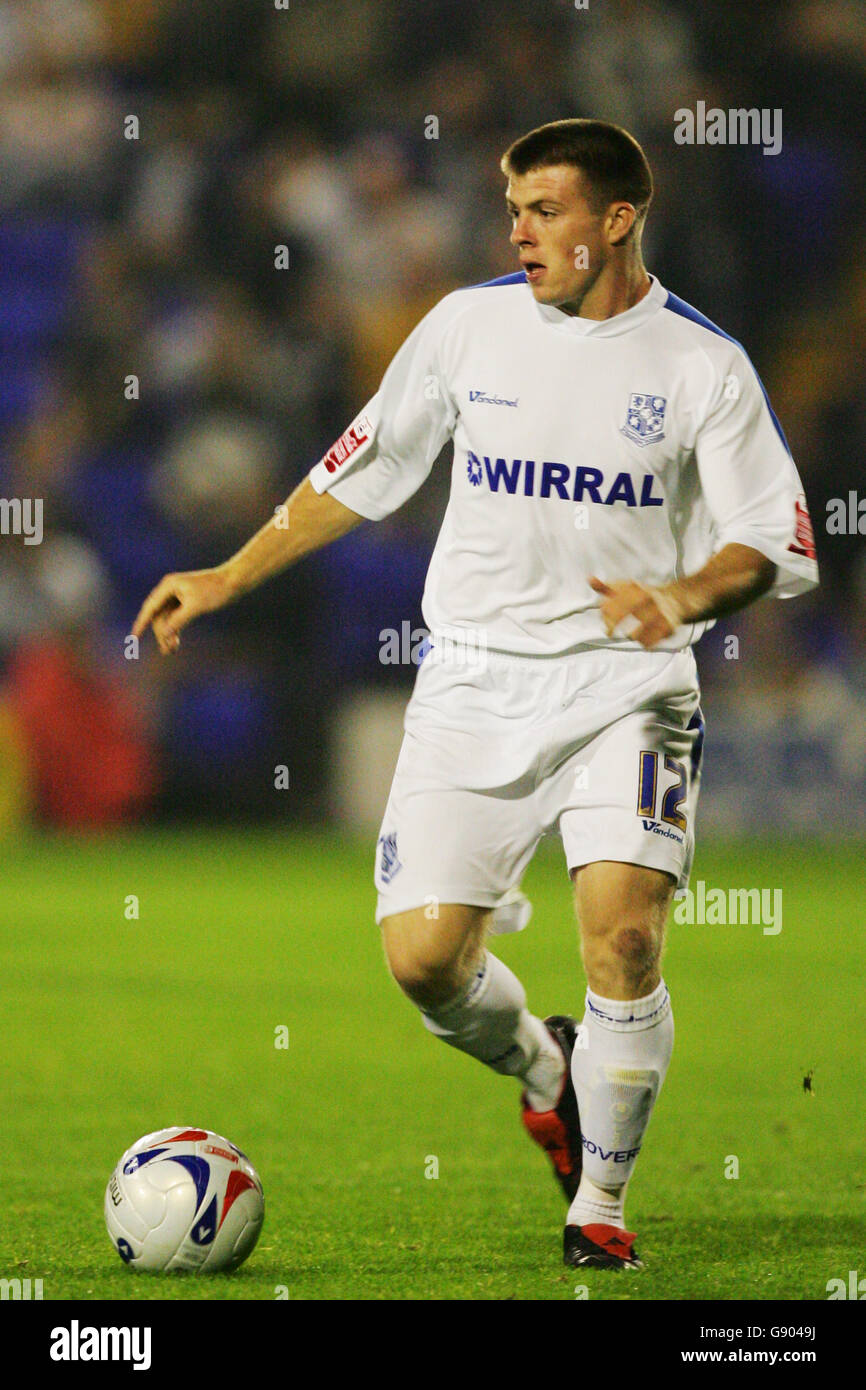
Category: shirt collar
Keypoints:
(579, 327)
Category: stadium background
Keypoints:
(148, 956)
(155, 257)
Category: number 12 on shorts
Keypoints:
(648, 780)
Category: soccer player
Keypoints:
(619, 480)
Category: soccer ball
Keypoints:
(184, 1199)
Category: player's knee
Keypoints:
(427, 982)
(430, 966)
(426, 976)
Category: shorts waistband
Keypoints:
(470, 653)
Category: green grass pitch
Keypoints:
(115, 1027)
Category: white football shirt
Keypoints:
(633, 447)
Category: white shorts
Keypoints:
(602, 747)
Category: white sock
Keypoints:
(490, 1021)
(593, 1206)
(617, 1078)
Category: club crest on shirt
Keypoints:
(389, 864)
(645, 418)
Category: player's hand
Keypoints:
(644, 614)
(176, 600)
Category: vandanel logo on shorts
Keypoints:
(657, 829)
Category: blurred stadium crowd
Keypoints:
(164, 385)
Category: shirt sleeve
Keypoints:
(389, 448)
(749, 480)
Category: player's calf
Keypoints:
(470, 999)
(622, 910)
(628, 1036)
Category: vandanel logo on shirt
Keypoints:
(350, 440)
(484, 398)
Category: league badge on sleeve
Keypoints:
(358, 433)
(804, 537)
(645, 418)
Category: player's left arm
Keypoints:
(733, 578)
(754, 496)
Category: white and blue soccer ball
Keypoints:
(184, 1199)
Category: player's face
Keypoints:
(560, 239)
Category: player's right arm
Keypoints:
(372, 469)
(308, 521)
